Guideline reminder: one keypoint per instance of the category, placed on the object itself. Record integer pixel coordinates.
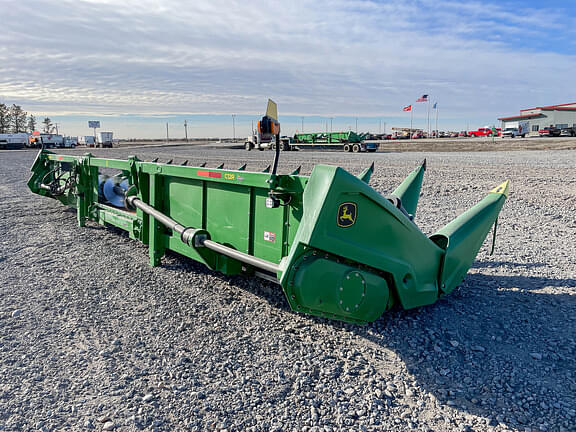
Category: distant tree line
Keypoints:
(13, 119)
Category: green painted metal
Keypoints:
(338, 248)
(409, 190)
(328, 137)
(462, 238)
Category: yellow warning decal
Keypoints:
(502, 189)
(229, 176)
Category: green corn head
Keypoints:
(338, 248)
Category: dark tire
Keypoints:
(248, 146)
(355, 148)
(347, 147)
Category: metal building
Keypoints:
(560, 116)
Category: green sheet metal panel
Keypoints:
(184, 200)
(270, 229)
(228, 214)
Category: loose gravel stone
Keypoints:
(536, 356)
(108, 426)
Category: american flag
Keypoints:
(407, 108)
(423, 98)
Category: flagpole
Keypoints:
(411, 109)
(428, 116)
(437, 120)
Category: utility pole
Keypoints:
(186, 129)
(56, 126)
(233, 127)
(302, 123)
(167, 136)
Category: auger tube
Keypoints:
(240, 256)
(171, 224)
(168, 222)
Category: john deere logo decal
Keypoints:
(347, 214)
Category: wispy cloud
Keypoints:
(338, 57)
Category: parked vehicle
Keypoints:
(105, 139)
(550, 131)
(70, 142)
(260, 141)
(568, 131)
(485, 131)
(87, 140)
(514, 129)
(523, 128)
(463, 134)
(35, 140)
(14, 141)
(52, 140)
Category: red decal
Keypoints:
(59, 157)
(212, 174)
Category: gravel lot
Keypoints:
(92, 338)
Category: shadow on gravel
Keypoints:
(492, 264)
(268, 291)
(506, 355)
(530, 282)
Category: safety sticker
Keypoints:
(269, 236)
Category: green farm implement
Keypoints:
(347, 141)
(338, 248)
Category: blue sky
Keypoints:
(137, 64)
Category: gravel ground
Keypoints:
(92, 338)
